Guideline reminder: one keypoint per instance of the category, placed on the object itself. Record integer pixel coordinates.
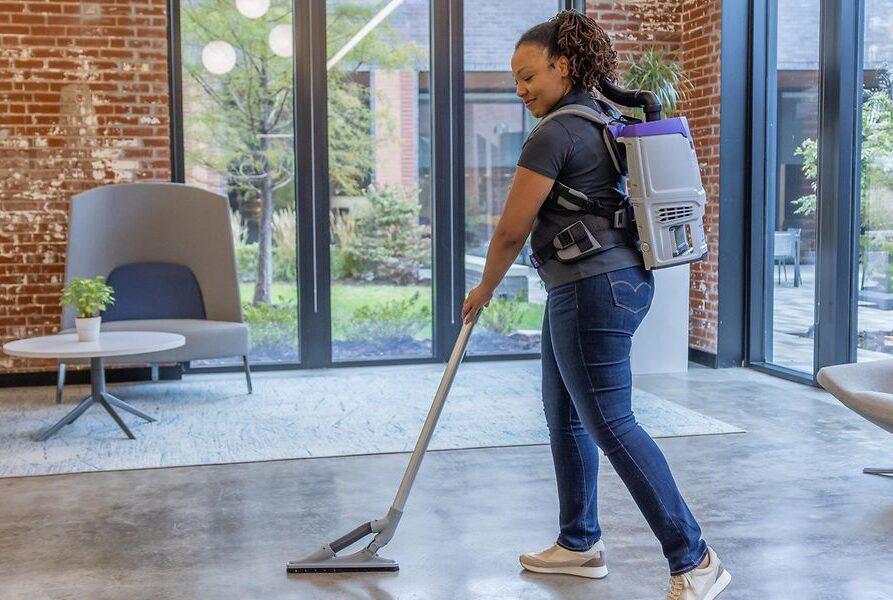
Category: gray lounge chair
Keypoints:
(865, 388)
(167, 249)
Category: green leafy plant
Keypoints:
(272, 326)
(88, 296)
(808, 150)
(345, 264)
(393, 319)
(388, 244)
(503, 315)
(246, 261)
(346, 261)
(876, 172)
(653, 71)
(876, 162)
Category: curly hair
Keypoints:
(578, 38)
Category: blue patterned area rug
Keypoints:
(210, 419)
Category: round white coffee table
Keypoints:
(111, 343)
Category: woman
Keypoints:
(594, 306)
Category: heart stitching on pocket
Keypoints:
(635, 299)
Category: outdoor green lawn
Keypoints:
(347, 298)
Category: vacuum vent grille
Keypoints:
(674, 213)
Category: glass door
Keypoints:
(377, 71)
(238, 129)
(791, 169)
(874, 286)
(813, 269)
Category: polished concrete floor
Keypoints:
(785, 505)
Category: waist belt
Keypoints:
(576, 242)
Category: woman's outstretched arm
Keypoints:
(529, 190)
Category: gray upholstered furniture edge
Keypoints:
(865, 388)
(120, 224)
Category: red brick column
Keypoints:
(83, 103)
(687, 31)
(701, 48)
(396, 130)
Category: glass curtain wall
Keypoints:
(875, 200)
(238, 130)
(791, 184)
(238, 135)
(377, 76)
(496, 124)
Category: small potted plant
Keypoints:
(88, 297)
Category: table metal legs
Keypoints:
(98, 395)
(78, 411)
(882, 472)
(60, 382)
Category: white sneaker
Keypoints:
(556, 559)
(700, 584)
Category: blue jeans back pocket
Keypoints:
(631, 289)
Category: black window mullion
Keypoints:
(770, 199)
(457, 166)
(762, 159)
(446, 173)
(311, 182)
(734, 175)
(756, 323)
(856, 166)
(839, 83)
(175, 91)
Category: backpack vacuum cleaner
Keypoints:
(667, 201)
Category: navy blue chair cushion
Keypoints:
(154, 290)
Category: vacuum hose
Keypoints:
(647, 101)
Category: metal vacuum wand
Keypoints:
(326, 560)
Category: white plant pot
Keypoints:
(88, 329)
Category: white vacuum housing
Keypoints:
(666, 192)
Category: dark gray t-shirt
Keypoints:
(571, 150)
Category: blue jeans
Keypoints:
(587, 396)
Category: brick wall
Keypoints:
(634, 25)
(701, 47)
(689, 32)
(83, 103)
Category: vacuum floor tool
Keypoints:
(326, 559)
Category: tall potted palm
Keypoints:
(652, 70)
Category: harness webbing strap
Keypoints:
(606, 238)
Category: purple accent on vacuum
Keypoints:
(675, 125)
